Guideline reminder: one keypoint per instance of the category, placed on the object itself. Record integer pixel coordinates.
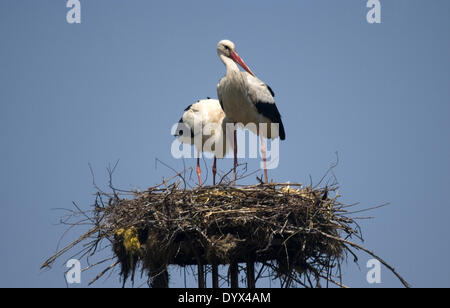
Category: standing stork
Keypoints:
(246, 99)
(202, 126)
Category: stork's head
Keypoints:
(227, 49)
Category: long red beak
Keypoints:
(241, 62)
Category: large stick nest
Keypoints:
(223, 225)
(301, 234)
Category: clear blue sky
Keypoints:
(112, 87)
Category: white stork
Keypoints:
(202, 126)
(246, 99)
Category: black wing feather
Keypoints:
(270, 90)
(270, 111)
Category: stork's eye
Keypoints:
(227, 48)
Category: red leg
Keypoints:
(263, 152)
(235, 155)
(214, 170)
(199, 172)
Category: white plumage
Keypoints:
(246, 99)
(202, 125)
